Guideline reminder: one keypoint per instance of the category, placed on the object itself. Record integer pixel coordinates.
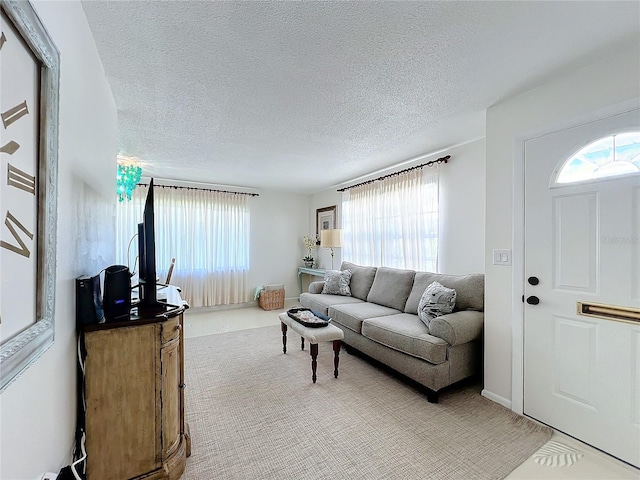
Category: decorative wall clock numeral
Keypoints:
(14, 114)
(19, 179)
(10, 147)
(9, 221)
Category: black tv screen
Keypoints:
(147, 256)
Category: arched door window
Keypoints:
(610, 156)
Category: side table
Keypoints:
(318, 272)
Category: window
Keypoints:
(393, 222)
(607, 157)
(206, 231)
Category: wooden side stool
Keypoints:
(313, 336)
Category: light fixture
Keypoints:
(331, 239)
(127, 180)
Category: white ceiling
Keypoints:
(302, 96)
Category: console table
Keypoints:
(309, 271)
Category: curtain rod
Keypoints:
(428, 164)
(203, 189)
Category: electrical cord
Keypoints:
(80, 356)
(133, 271)
(81, 459)
(83, 450)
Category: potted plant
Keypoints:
(309, 244)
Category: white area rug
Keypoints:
(255, 414)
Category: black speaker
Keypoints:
(88, 301)
(117, 293)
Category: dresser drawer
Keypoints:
(171, 329)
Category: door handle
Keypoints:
(533, 300)
(533, 280)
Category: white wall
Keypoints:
(278, 223)
(559, 104)
(38, 410)
(462, 197)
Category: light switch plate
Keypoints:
(502, 257)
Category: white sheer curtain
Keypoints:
(393, 222)
(208, 234)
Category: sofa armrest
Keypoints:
(458, 327)
(316, 287)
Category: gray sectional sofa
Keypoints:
(380, 320)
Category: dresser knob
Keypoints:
(183, 386)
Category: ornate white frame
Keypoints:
(18, 353)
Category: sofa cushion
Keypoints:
(391, 288)
(320, 302)
(435, 301)
(406, 333)
(352, 315)
(469, 290)
(336, 282)
(361, 279)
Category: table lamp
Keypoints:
(331, 239)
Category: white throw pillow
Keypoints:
(336, 282)
(436, 300)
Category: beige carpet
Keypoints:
(254, 414)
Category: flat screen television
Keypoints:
(147, 259)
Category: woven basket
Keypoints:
(271, 299)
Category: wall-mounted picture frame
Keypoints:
(325, 219)
(30, 78)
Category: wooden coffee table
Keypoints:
(330, 333)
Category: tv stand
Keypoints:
(134, 389)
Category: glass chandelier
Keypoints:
(127, 180)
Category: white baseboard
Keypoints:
(234, 306)
(496, 398)
(217, 308)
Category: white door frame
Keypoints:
(517, 241)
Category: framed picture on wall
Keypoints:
(325, 219)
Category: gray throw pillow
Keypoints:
(336, 282)
(436, 301)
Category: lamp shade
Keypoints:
(331, 238)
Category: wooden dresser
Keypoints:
(134, 387)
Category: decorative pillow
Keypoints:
(436, 300)
(336, 282)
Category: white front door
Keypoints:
(582, 243)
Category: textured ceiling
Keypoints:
(301, 96)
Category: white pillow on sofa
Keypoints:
(336, 282)
(437, 300)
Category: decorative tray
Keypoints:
(308, 317)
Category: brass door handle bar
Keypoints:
(609, 312)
